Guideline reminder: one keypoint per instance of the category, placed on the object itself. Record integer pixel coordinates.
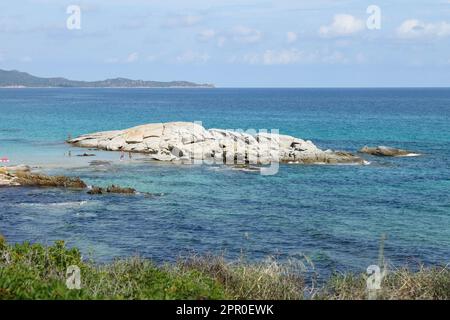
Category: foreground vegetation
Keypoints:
(33, 271)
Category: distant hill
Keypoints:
(16, 78)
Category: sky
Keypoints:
(232, 43)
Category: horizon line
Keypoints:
(233, 87)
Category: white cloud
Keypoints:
(413, 28)
(244, 34)
(271, 57)
(132, 57)
(277, 57)
(206, 35)
(342, 25)
(238, 34)
(291, 57)
(192, 57)
(181, 21)
(291, 37)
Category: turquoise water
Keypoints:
(333, 214)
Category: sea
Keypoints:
(338, 217)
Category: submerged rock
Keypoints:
(388, 152)
(95, 190)
(86, 155)
(247, 168)
(100, 163)
(117, 189)
(187, 141)
(111, 189)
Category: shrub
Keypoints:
(34, 271)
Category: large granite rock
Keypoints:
(187, 141)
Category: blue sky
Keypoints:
(232, 43)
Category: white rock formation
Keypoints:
(187, 141)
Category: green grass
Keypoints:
(34, 271)
(37, 272)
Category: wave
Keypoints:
(411, 155)
(68, 204)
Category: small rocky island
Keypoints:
(188, 141)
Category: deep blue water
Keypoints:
(333, 214)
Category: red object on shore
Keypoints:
(4, 159)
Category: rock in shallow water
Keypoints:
(21, 176)
(86, 155)
(100, 163)
(111, 189)
(181, 141)
(95, 190)
(388, 152)
(116, 189)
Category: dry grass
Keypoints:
(242, 280)
(399, 284)
(286, 281)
